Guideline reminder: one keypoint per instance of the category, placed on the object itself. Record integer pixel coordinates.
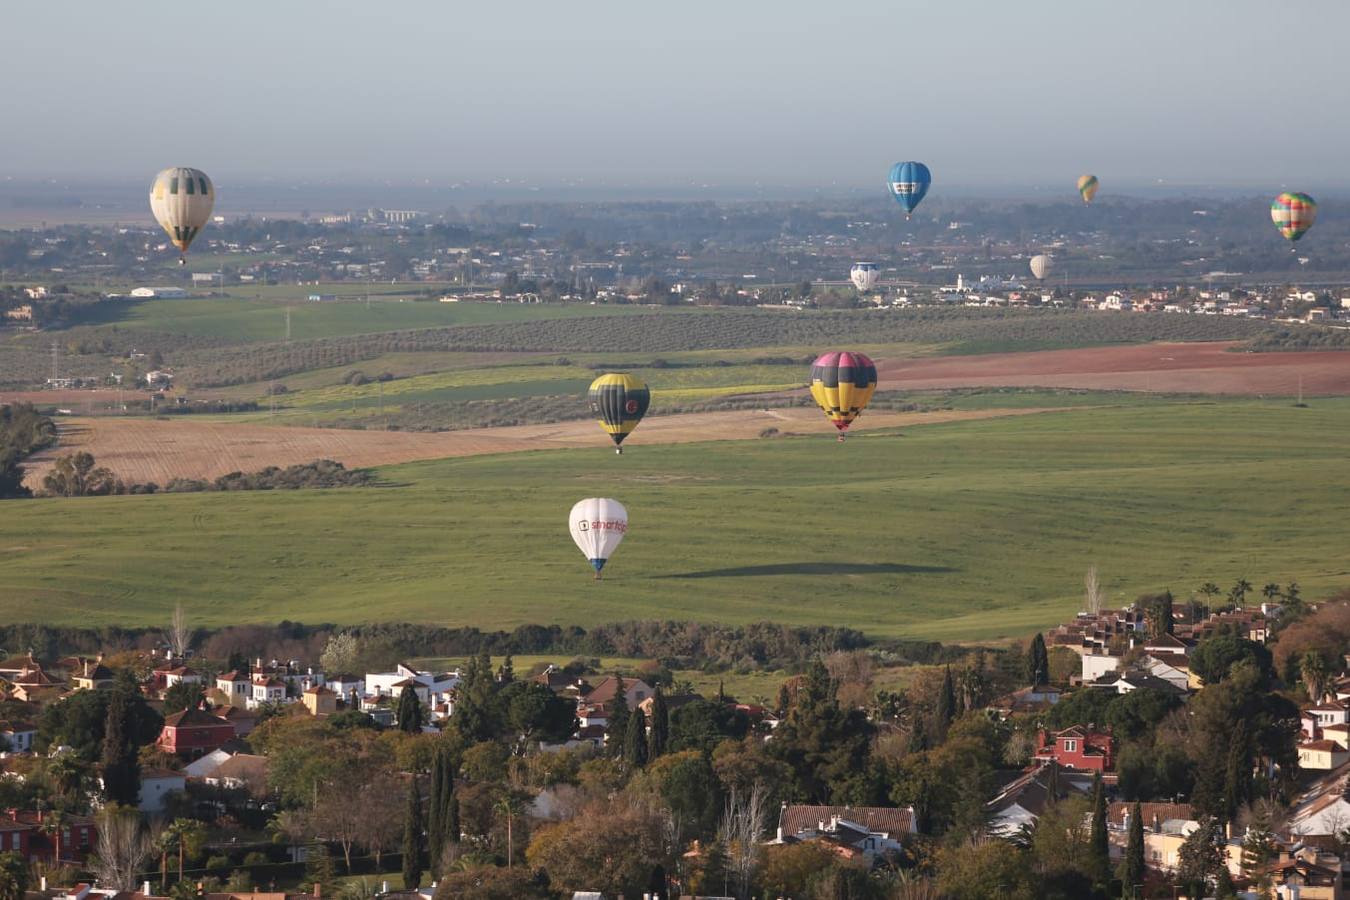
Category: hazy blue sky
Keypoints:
(1241, 92)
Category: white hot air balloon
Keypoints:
(1040, 266)
(864, 276)
(181, 199)
(598, 524)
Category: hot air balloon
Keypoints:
(620, 401)
(908, 183)
(864, 276)
(842, 383)
(598, 524)
(1040, 266)
(181, 199)
(1087, 186)
(1293, 214)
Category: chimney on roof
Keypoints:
(42, 882)
(318, 889)
(145, 888)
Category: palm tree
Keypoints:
(508, 805)
(1271, 591)
(53, 823)
(1210, 590)
(180, 835)
(67, 774)
(1239, 592)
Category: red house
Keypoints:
(27, 833)
(1077, 747)
(194, 732)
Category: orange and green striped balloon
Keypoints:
(1087, 187)
(1293, 214)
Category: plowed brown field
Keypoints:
(1204, 368)
(144, 450)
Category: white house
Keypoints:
(156, 785)
(236, 686)
(158, 293)
(1096, 664)
(431, 688)
(19, 737)
(1160, 668)
(205, 765)
(347, 686)
(1323, 809)
(1321, 756)
(266, 690)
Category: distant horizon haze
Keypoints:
(792, 95)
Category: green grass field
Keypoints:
(969, 531)
(242, 317)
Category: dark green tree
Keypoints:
(121, 763)
(1132, 865)
(635, 740)
(1159, 610)
(658, 729)
(617, 729)
(1038, 661)
(13, 876)
(412, 838)
(475, 711)
(825, 746)
(694, 796)
(507, 673)
(409, 711)
(945, 709)
(1099, 849)
(1237, 784)
(1201, 857)
(442, 809)
(182, 695)
(318, 868)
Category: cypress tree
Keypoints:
(635, 740)
(1237, 772)
(1038, 661)
(946, 706)
(412, 839)
(1132, 866)
(617, 729)
(507, 673)
(318, 866)
(658, 730)
(1099, 850)
(409, 711)
(121, 766)
(436, 812)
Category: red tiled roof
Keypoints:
(888, 820)
(193, 717)
(1117, 811)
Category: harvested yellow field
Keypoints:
(145, 450)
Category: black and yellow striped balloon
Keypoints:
(619, 401)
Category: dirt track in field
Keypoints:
(143, 449)
(1203, 368)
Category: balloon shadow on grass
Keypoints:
(815, 568)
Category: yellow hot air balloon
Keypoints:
(181, 199)
(1087, 186)
(619, 401)
(843, 384)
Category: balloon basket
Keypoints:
(618, 451)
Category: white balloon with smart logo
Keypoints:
(598, 525)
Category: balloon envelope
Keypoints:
(181, 200)
(1040, 266)
(1087, 187)
(842, 383)
(1293, 214)
(598, 524)
(864, 276)
(908, 183)
(619, 402)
